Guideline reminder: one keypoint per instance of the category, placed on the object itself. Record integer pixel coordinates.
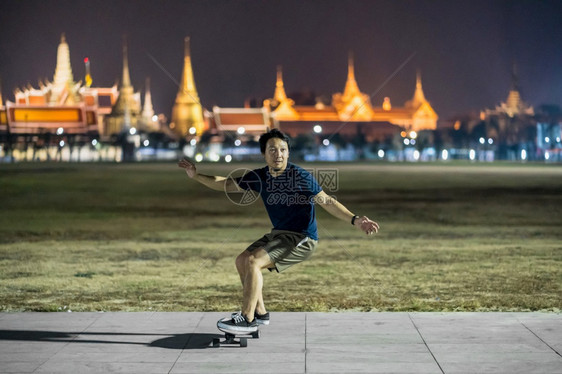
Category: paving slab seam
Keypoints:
(538, 337)
(186, 343)
(425, 343)
(305, 335)
(68, 343)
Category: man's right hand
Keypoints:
(189, 167)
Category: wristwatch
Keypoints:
(353, 220)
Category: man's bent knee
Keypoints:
(242, 260)
(259, 260)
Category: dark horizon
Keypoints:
(464, 50)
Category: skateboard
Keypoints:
(231, 337)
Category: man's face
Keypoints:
(276, 154)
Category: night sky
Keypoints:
(464, 49)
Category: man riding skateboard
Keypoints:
(290, 195)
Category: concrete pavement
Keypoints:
(293, 343)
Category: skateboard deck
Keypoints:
(231, 337)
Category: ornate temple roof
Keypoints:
(419, 98)
(352, 104)
(514, 104)
(253, 121)
(351, 88)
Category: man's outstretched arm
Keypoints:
(338, 210)
(216, 183)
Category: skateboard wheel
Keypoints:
(256, 334)
(243, 342)
(216, 342)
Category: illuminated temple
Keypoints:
(350, 114)
(61, 103)
(65, 106)
(352, 105)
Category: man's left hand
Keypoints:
(366, 225)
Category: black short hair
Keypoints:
(273, 133)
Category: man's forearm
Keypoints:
(213, 182)
(336, 209)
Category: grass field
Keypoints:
(135, 237)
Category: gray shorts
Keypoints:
(285, 248)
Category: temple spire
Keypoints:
(125, 112)
(350, 66)
(352, 104)
(419, 90)
(514, 102)
(147, 110)
(514, 78)
(126, 81)
(351, 87)
(419, 97)
(63, 79)
(187, 112)
(280, 94)
(187, 81)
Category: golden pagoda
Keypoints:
(125, 113)
(352, 105)
(283, 107)
(187, 113)
(422, 114)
